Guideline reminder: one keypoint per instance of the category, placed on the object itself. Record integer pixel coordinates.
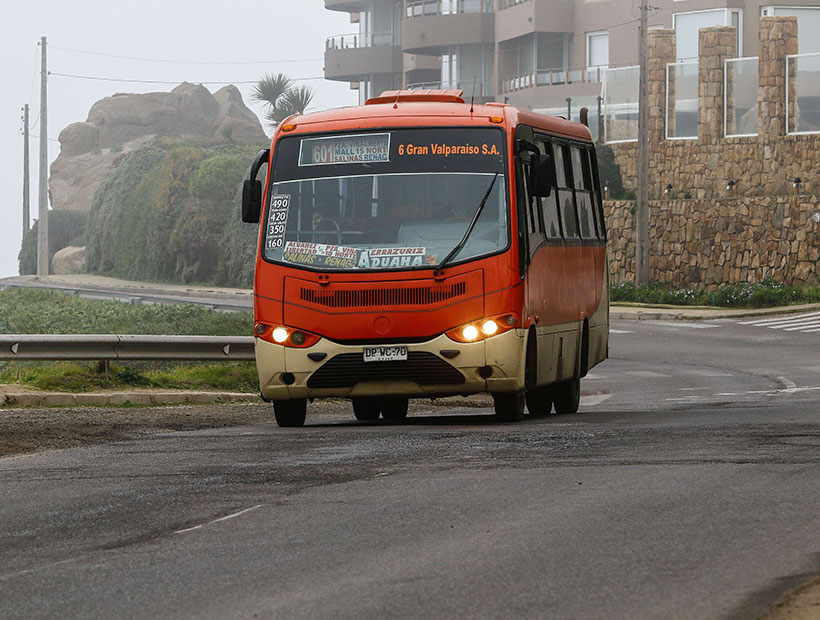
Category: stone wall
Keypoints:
(762, 165)
(707, 243)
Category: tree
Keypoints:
(281, 97)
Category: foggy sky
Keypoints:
(179, 30)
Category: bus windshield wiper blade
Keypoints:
(470, 228)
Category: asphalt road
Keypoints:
(688, 487)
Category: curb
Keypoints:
(665, 313)
(119, 399)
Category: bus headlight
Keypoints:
(279, 334)
(475, 331)
(286, 336)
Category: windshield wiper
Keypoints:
(470, 228)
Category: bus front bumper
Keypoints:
(438, 367)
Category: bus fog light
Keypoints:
(510, 320)
(470, 332)
(298, 338)
(261, 328)
(280, 334)
(489, 327)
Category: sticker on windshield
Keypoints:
(379, 258)
(358, 149)
(277, 221)
(320, 254)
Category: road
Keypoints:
(688, 487)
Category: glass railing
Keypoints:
(553, 77)
(740, 97)
(505, 4)
(803, 93)
(420, 8)
(358, 40)
(620, 104)
(682, 100)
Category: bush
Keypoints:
(609, 173)
(65, 228)
(764, 294)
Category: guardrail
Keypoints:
(108, 347)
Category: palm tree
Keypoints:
(281, 97)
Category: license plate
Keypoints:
(385, 354)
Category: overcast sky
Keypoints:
(288, 34)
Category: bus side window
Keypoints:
(583, 193)
(531, 205)
(566, 201)
(596, 193)
(549, 205)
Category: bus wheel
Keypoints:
(394, 408)
(567, 396)
(509, 406)
(366, 409)
(290, 412)
(539, 401)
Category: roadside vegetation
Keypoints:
(26, 311)
(764, 294)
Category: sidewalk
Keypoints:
(20, 396)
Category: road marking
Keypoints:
(594, 399)
(225, 518)
(765, 322)
(28, 571)
(620, 331)
(808, 323)
(689, 325)
(645, 373)
(709, 373)
(728, 394)
(693, 389)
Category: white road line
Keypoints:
(709, 373)
(594, 399)
(620, 331)
(225, 518)
(802, 327)
(764, 322)
(644, 373)
(693, 389)
(689, 325)
(35, 569)
(728, 394)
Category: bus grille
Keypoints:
(348, 369)
(409, 296)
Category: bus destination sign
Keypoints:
(358, 149)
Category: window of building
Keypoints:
(687, 25)
(598, 49)
(808, 24)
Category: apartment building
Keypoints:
(531, 53)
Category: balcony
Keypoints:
(431, 26)
(553, 77)
(348, 6)
(352, 57)
(522, 17)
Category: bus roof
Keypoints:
(431, 107)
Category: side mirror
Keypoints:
(252, 190)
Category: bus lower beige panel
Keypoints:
(552, 340)
(598, 337)
(504, 353)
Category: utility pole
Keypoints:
(42, 221)
(26, 183)
(642, 206)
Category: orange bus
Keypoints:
(419, 246)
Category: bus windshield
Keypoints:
(386, 200)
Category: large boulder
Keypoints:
(122, 122)
(68, 260)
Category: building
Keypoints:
(531, 53)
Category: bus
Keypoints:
(420, 246)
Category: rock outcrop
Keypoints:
(123, 122)
(69, 260)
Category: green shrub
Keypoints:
(65, 228)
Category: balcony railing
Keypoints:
(420, 8)
(553, 77)
(505, 4)
(469, 87)
(359, 40)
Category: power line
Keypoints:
(186, 62)
(130, 81)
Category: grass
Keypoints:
(767, 293)
(28, 311)
(74, 377)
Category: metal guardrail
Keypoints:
(105, 347)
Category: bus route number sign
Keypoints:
(277, 221)
(385, 354)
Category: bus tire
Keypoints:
(567, 396)
(539, 401)
(394, 408)
(366, 409)
(509, 406)
(290, 413)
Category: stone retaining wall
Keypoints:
(707, 243)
